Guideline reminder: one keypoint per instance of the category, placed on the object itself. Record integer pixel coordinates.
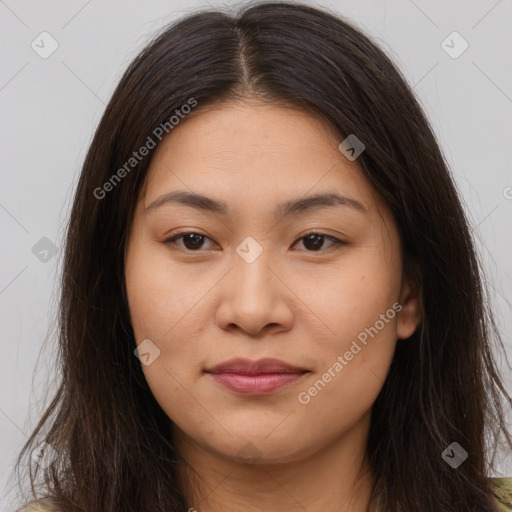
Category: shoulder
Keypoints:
(503, 488)
(43, 505)
(33, 507)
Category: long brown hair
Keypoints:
(111, 439)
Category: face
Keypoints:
(259, 268)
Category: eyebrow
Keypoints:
(290, 207)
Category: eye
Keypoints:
(314, 241)
(192, 241)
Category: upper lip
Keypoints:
(246, 366)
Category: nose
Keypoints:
(254, 298)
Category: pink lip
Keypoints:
(261, 377)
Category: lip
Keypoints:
(248, 367)
(261, 377)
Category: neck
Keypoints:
(334, 478)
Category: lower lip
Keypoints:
(260, 384)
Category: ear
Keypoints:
(410, 315)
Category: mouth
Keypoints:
(254, 378)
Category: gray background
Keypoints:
(50, 107)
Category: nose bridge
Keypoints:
(251, 273)
(251, 298)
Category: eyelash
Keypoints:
(171, 240)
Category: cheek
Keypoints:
(353, 360)
(160, 292)
(358, 304)
(352, 295)
(165, 307)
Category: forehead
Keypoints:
(254, 154)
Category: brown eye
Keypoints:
(314, 242)
(191, 241)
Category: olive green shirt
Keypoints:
(504, 489)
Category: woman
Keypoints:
(270, 295)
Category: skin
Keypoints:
(206, 305)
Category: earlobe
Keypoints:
(410, 315)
